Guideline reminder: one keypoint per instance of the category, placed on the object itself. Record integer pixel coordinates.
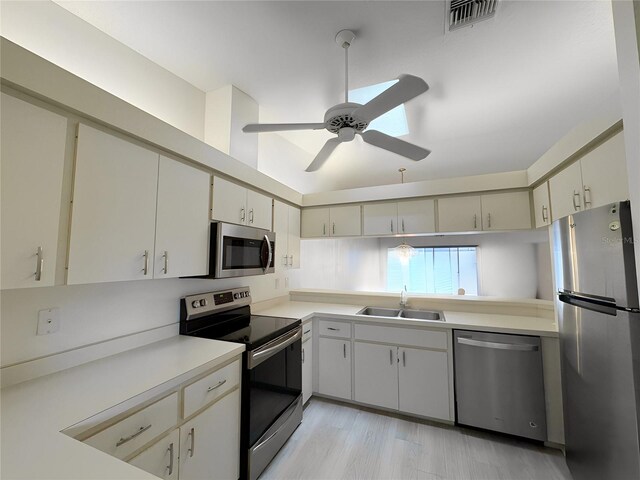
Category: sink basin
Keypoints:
(404, 313)
(379, 312)
(422, 315)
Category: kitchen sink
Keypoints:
(404, 313)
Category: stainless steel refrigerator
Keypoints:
(599, 324)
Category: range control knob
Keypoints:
(236, 296)
(203, 302)
(195, 303)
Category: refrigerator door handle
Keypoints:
(587, 297)
(588, 302)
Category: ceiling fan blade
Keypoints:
(407, 88)
(395, 145)
(324, 154)
(279, 127)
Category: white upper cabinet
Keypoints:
(114, 210)
(541, 205)
(459, 214)
(604, 173)
(380, 218)
(598, 178)
(286, 225)
(417, 216)
(32, 152)
(182, 228)
(506, 211)
(331, 222)
(235, 204)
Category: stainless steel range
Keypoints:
(272, 369)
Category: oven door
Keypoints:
(275, 397)
(240, 251)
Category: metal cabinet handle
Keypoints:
(334, 228)
(170, 466)
(587, 202)
(251, 216)
(545, 216)
(488, 220)
(404, 358)
(39, 264)
(498, 345)
(306, 331)
(475, 220)
(576, 206)
(242, 214)
(391, 226)
(390, 357)
(286, 260)
(146, 262)
(333, 329)
(166, 262)
(403, 225)
(124, 440)
(213, 387)
(291, 264)
(344, 350)
(191, 449)
(324, 229)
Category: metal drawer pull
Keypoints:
(170, 466)
(146, 262)
(192, 434)
(39, 264)
(333, 329)
(122, 441)
(498, 345)
(306, 331)
(210, 389)
(576, 206)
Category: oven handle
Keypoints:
(268, 350)
(266, 267)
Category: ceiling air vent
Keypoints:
(467, 12)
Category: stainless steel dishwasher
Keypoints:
(499, 383)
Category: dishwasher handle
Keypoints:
(522, 347)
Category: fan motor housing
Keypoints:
(340, 116)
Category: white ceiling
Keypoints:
(502, 92)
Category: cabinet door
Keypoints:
(604, 173)
(376, 374)
(281, 227)
(32, 154)
(380, 218)
(345, 221)
(424, 383)
(541, 210)
(182, 226)
(307, 370)
(210, 442)
(229, 202)
(315, 222)
(114, 210)
(565, 191)
(294, 237)
(506, 211)
(417, 216)
(161, 458)
(334, 367)
(459, 214)
(259, 210)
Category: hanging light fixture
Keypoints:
(404, 252)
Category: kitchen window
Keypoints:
(437, 270)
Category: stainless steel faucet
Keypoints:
(403, 297)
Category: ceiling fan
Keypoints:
(348, 119)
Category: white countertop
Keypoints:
(33, 413)
(523, 325)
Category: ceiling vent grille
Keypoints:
(467, 12)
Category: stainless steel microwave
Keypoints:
(238, 251)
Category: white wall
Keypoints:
(99, 312)
(509, 264)
(57, 35)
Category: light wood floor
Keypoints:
(338, 441)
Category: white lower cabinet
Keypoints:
(376, 374)
(423, 377)
(161, 459)
(334, 367)
(307, 370)
(210, 442)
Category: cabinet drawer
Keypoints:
(208, 388)
(402, 336)
(335, 329)
(126, 436)
(307, 331)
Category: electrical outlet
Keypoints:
(48, 321)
